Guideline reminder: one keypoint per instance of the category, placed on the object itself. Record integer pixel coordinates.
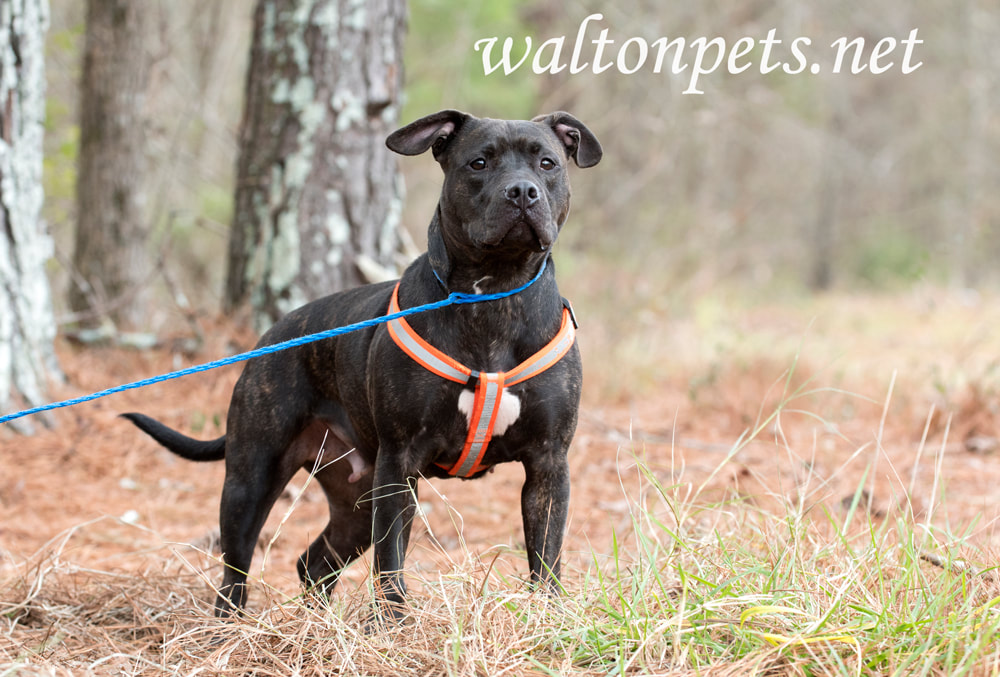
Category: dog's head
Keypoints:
(506, 191)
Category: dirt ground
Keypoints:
(105, 498)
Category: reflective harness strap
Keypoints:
(489, 387)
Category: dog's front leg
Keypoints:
(394, 502)
(544, 505)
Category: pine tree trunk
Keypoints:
(821, 235)
(110, 257)
(27, 326)
(318, 198)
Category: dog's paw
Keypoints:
(385, 616)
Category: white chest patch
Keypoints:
(507, 411)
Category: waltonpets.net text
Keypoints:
(702, 55)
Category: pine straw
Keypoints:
(752, 517)
(688, 588)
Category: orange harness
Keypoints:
(489, 386)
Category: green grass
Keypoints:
(763, 589)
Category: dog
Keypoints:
(379, 416)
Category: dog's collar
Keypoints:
(541, 269)
(489, 386)
(440, 281)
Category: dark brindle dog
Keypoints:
(376, 399)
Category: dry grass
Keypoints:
(687, 587)
(811, 505)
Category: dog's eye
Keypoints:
(548, 163)
(478, 164)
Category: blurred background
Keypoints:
(781, 182)
(765, 188)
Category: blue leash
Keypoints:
(454, 298)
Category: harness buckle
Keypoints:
(572, 316)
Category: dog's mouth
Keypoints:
(522, 234)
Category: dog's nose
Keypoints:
(522, 193)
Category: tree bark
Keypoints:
(318, 198)
(821, 235)
(968, 241)
(110, 257)
(27, 325)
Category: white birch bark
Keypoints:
(27, 325)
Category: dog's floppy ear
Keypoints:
(433, 131)
(580, 142)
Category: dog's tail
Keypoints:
(182, 445)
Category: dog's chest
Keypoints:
(508, 410)
(479, 390)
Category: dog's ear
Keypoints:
(580, 142)
(434, 131)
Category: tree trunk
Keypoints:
(318, 198)
(968, 241)
(110, 257)
(27, 326)
(821, 237)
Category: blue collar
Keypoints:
(461, 297)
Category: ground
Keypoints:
(888, 406)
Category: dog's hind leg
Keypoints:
(256, 474)
(349, 531)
